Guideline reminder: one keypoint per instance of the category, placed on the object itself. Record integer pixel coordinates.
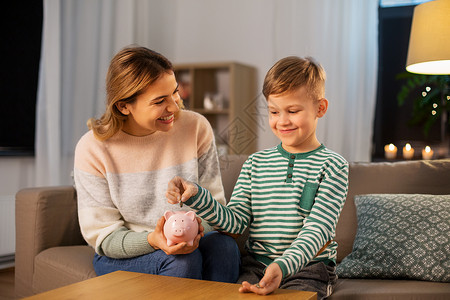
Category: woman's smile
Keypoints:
(166, 120)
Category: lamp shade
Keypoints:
(429, 43)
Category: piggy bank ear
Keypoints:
(168, 214)
(190, 215)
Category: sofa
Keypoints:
(50, 251)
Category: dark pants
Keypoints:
(217, 258)
(316, 277)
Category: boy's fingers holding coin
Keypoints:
(173, 197)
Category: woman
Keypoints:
(123, 165)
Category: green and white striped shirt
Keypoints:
(291, 202)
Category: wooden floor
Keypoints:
(7, 284)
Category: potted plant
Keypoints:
(431, 101)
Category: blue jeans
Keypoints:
(217, 258)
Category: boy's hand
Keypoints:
(157, 240)
(269, 283)
(180, 190)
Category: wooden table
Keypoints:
(128, 285)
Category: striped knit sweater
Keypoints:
(291, 202)
(121, 182)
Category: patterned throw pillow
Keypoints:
(401, 236)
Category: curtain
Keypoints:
(343, 36)
(79, 39)
(81, 36)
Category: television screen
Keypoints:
(21, 31)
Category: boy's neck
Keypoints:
(307, 146)
(305, 149)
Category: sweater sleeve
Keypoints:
(98, 217)
(125, 243)
(209, 174)
(232, 218)
(208, 162)
(100, 221)
(320, 225)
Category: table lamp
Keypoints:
(429, 42)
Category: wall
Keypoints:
(15, 173)
(229, 31)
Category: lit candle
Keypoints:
(390, 151)
(427, 153)
(408, 151)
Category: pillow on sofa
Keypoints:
(400, 236)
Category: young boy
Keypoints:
(290, 195)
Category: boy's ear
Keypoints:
(322, 108)
(122, 107)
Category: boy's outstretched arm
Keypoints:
(179, 189)
(232, 218)
(269, 283)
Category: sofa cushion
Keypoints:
(400, 236)
(403, 177)
(59, 266)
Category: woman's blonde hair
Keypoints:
(130, 73)
(291, 73)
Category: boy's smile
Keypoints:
(293, 119)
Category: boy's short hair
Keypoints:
(291, 73)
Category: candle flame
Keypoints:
(391, 147)
(427, 149)
(408, 147)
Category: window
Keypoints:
(392, 121)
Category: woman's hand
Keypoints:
(157, 240)
(269, 283)
(180, 190)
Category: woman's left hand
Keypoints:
(157, 240)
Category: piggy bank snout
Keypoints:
(178, 230)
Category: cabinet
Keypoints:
(225, 93)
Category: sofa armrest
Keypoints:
(46, 217)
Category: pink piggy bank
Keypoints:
(180, 226)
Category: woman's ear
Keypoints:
(322, 108)
(122, 107)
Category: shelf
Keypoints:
(225, 93)
(204, 111)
